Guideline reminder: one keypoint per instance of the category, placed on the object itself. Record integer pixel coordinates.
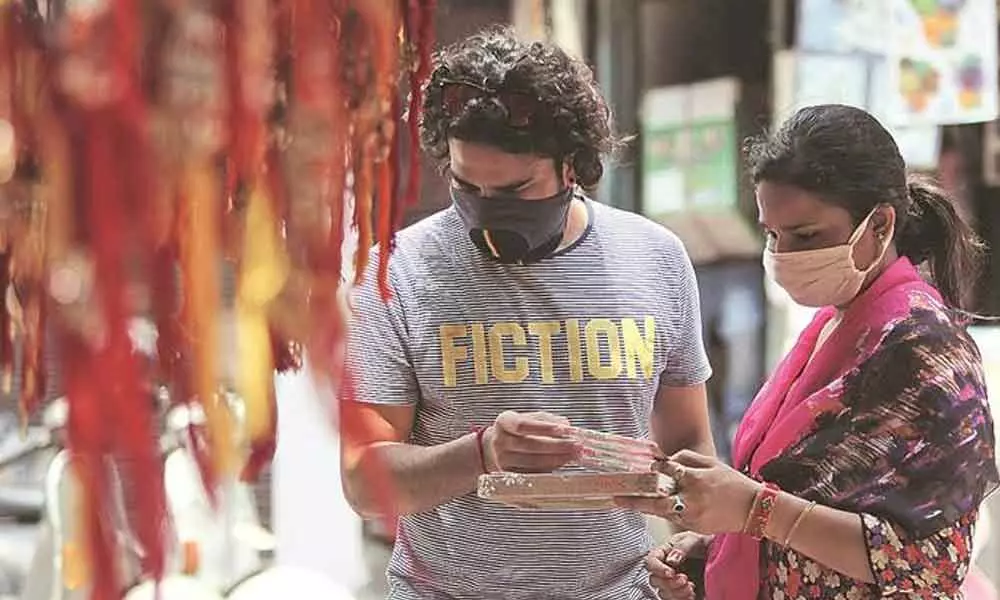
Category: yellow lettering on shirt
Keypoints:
(479, 353)
(544, 331)
(451, 354)
(508, 352)
(639, 346)
(499, 362)
(598, 329)
(573, 341)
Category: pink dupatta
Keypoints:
(800, 389)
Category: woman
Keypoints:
(864, 459)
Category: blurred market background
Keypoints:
(691, 79)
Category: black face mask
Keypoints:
(514, 230)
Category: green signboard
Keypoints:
(690, 161)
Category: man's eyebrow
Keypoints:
(461, 181)
(513, 187)
(510, 187)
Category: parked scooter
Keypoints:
(213, 549)
(23, 463)
(58, 570)
(222, 546)
(302, 584)
(22, 466)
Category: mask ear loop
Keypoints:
(881, 237)
(860, 230)
(489, 243)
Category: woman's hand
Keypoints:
(711, 496)
(664, 564)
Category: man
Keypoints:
(523, 307)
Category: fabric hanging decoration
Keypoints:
(149, 147)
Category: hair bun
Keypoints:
(915, 225)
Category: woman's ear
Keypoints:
(884, 222)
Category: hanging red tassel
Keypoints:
(386, 200)
(88, 438)
(362, 210)
(421, 34)
(391, 208)
(100, 74)
(339, 112)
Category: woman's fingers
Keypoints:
(685, 545)
(656, 562)
(663, 564)
(675, 556)
(691, 459)
(673, 588)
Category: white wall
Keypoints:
(315, 527)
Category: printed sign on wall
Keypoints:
(943, 61)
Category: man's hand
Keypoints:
(534, 442)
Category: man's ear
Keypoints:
(568, 172)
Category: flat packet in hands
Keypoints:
(612, 453)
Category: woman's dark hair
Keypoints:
(571, 122)
(844, 155)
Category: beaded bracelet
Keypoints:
(762, 511)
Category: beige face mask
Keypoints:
(824, 277)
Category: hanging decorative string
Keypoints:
(148, 146)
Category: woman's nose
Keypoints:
(778, 246)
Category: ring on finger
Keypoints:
(679, 473)
(678, 506)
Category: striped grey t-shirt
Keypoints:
(589, 333)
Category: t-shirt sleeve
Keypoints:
(378, 354)
(687, 362)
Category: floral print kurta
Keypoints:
(932, 567)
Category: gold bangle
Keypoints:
(753, 509)
(798, 521)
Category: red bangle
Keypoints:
(480, 432)
(761, 511)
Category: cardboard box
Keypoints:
(571, 490)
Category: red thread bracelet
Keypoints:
(480, 432)
(761, 511)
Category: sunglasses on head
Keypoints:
(521, 107)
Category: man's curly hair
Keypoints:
(572, 125)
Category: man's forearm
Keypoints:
(671, 442)
(702, 445)
(405, 479)
(680, 420)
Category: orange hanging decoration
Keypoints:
(23, 223)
